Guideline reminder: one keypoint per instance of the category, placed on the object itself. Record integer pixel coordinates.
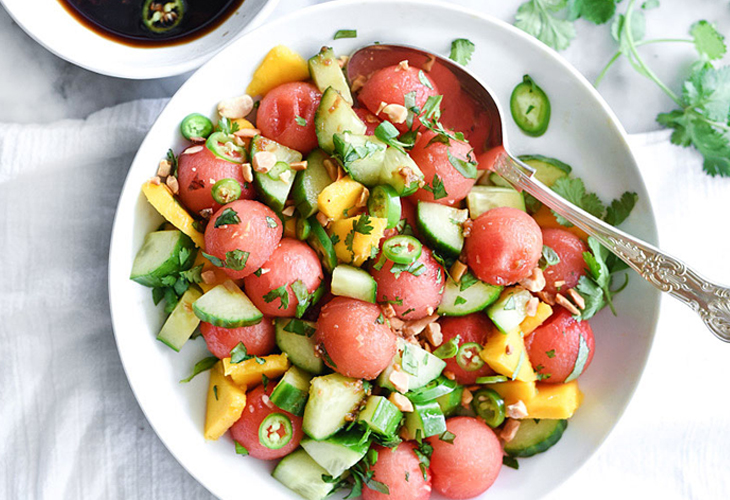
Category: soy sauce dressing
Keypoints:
(123, 20)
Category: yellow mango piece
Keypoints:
(555, 400)
(546, 219)
(281, 65)
(248, 373)
(290, 227)
(514, 391)
(362, 244)
(336, 199)
(220, 275)
(226, 402)
(544, 311)
(495, 354)
(160, 197)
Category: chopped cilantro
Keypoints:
(345, 34)
(459, 300)
(215, 392)
(551, 353)
(228, 216)
(461, 51)
(300, 121)
(447, 437)
(424, 80)
(278, 293)
(236, 259)
(467, 280)
(510, 462)
(201, 366)
(271, 222)
(437, 188)
(549, 258)
(240, 450)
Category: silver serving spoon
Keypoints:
(711, 301)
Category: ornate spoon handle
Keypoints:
(709, 300)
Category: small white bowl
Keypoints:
(51, 25)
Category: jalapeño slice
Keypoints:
(275, 431)
(225, 191)
(161, 16)
(222, 146)
(402, 249)
(196, 126)
(468, 356)
(530, 107)
(489, 406)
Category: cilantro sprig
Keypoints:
(573, 190)
(595, 286)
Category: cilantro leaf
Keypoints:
(461, 51)
(620, 208)
(300, 121)
(227, 126)
(228, 216)
(709, 43)
(173, 162)
(201, 366)
(573, 190)
(549, 258)
(466, 168)
(278, 293)
(424, 80)
(437, 188)
(595, 11)
(304, 298)
(650, 4)
(537, 17)
(388, 134)
(236, 259)
(240, 449)
(467, 280)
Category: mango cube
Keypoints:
(160, 197)
(555, 400)
(505, 353)
(226, 402)
(515, 390)
(281, 65)
(339, 197)
(363, 245)
(248, 373)
(531, 323)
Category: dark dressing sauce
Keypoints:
(151, 23)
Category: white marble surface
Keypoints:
(37, 86)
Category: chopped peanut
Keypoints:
(396, 113)
(331, 168)
(403, 65)
(362, 200)
(172, 183)
(388, 310)
(559, 284)
(155, 180)
(466, 227)
(247, 172)
(323, 219)
(428, 65)
(396, 323)
(466, 397)
(546, 297)
(577, 298)
(192, 151)
(418, 325)
(208, 277)
(458, 270)
(517, 410)
(531, 308)
(561, 300)
(509, 430)
(449, 375)
(535, 282)
(263, 161)
(401, 402)
(206, 213)
(358, 83)
(164, 168)
(433, 334)
(299, 165)
(342, 61)
(236, 107)
(289, 211)
(399, 379)
(247, 133)
(285, 176)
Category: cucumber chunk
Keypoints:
(295, 338)
(326, 72)
(309, 183)
(535, 436)
(400, 172)
(380, 416)
(425, 420)
(451, 402)
(338, 453)
(421, 367)
(227, 306)
(335, 116)
(547, 170)
(458, 302)
(361, 156)
(182, 322)
(292, 391)
(349, 281)
(301, 474)
(510, 310)
(321, 243)
(440, 226)
(331, 399)
(163, 253)
(500, 181)
(275, 185)
(483, 198)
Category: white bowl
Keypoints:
(584, 132)
(50, 24)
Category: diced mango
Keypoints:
(226, 402)
(515, 390)
(545, 219)
(248, 373)
(160, 197)
(530, 323)
(290, 227)
(339, 197)
(363, 245)
(281, 65)
(505, 353)
(220, 275)
(555, 400)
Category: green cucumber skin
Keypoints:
(441, 386)
(309, 183)
(207, 308)
(433, 231)
(301, 474)
(484, 198)
(451, 402)
(507, 320)
(381, 416)
(292, 391)
(349, 281)
(547, 170)
(274, 192)
(339, 452)
(428, 418)
(326, 72)
(366, 171)
(152, 242)
(335, 116)
(486, 295)
(533, 438)
(181, 323)
(331, 399)
(320, 241)
(299, 348)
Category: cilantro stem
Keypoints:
(618, 54)
(615, 58)
(639, 61)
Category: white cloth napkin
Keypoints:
(72, 429)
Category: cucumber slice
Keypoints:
(349, 281)
(535, 436)
(292, 391)
(425, 420)
(458, 302)
(326, 72)
(321, 243)
(338, 453)
(274, 190)
(361, 156)
(384, 203)
(547, 170)
(295, 337)
(163, 253)
(433, 390)
(227, 306)
(421, 367)
(400, 172)
(500, 181)
(451, 402)
(440, 226)
(483, 198)
(331, 399)
(182, 322)
(335, 116)
(309, 183)
(510, 310)
(380, 416)
(301, 474)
